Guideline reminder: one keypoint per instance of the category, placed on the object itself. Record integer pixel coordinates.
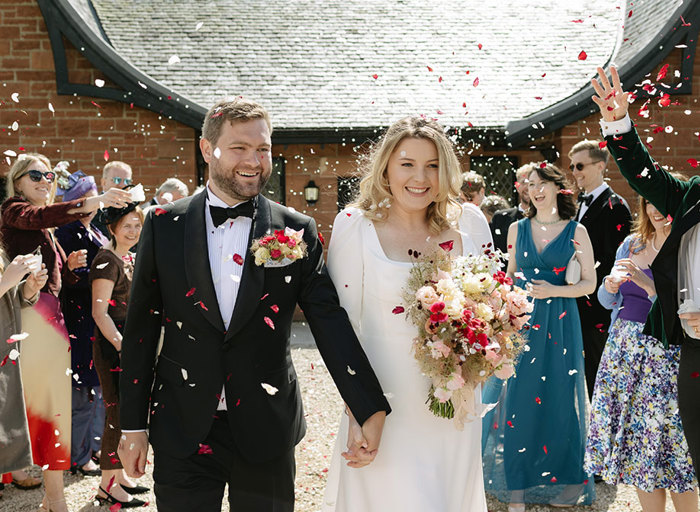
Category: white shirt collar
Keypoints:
(598, 190)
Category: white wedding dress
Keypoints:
(424, 463)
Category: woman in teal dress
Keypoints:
(535, 445)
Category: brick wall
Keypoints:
(80, 129)
(671, 148)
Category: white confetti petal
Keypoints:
(179, 324)
(14, 354)
(173, 60)
(288, 279)
(99, 82)
(102, 265)
(271, 390)
(19, 337)
(351, 371)
(184, 373)
(15, 97)
(572, 372)
(15, 126)
(217, 153)
(199, 25)
(51, 107)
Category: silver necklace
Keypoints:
(652, 243)
(546, 223)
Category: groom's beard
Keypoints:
(236, 186)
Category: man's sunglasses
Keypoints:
(118, 181)
(579, 166)
(36, 176)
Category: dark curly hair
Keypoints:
(566, 206)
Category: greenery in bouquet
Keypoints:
(470, 318)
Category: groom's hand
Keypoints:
(611, 99)
(132, 451)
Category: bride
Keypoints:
(407, 203)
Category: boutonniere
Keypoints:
(279, 249)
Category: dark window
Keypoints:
(347, 190)
(274, 190)
(499, 174)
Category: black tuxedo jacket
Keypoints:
(500, 222)
(608, 222)
(176, 395)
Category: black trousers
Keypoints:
(196, 483)
(689, 398)
(593, 345)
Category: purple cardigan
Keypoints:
(24, 227)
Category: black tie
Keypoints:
(221, 215)
(587, 199)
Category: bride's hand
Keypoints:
(357, 454)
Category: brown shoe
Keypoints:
(27, 484)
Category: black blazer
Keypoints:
(608, 222)
(500, 222)
(177, 394)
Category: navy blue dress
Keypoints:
(76, 300)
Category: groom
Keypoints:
(221, 399)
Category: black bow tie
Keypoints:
(221, 215)
(587, 199)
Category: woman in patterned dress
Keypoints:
(635, 433)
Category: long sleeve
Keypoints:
(608, 300)
(20, 214)
(335, 337)
(141, 335)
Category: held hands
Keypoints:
(611, 100)
(77, 259)
(363, 441)
(116, 198)
(693, 320)
(540, 289)
(612, 285)
(132, 451)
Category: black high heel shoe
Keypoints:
(137, 489)
(74, 470)
(111, 500)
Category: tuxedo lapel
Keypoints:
(197, 269)
(253, 278)
(597, 205)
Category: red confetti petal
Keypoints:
(545, 449)
(602, 144)
(557, 270)
(106, 155)
(538, 400)
(562, 315)
(398, 310)
(237, 258)
(275, 308)
(695, 375)
(160, 211)
(476, 81)
(480, 46)
(662, 73)
(447, 246)
(619, 227)
(665, 100)
(203, 306)
(191, 292)
(582, 56)
(320, 237)
(430, 69)
(554, 479)
(693, 162)
(375, 76)
(269, 322)
(204, 449)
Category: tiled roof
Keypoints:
(312, 63)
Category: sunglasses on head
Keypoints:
(36, 176)
(579, 166)
(118, 181)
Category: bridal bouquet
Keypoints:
(469, 316)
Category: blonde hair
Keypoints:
(23, 162)
(595, 151)
(375, 196)
(115, 163)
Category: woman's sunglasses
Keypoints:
(118, 180)
(36, 176)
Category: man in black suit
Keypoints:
(607, 219)
(502, 219)
(221, 400)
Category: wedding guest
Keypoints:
(408, 202)
(543, 434)
(491, 204)
(503, 219)
(86, 399)
(607, 220)
(170, 190)
(110, 279)
(19, 288)
(28, 218)
(676, 269)
(635, 434)
(473, 188)
(115, 174)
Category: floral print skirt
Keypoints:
(635, 434)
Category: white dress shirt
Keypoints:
(689, 248)
(224, 244)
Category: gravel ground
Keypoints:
(323, 409)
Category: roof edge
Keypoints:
(137, 88)
(580, 104)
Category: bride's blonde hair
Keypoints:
(375, 196)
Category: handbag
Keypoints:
(573, 271)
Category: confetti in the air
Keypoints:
(271, 390)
